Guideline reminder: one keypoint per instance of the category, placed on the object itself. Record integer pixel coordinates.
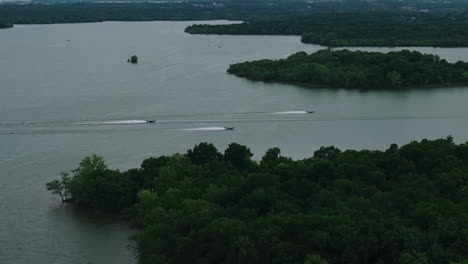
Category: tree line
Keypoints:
(347, 29)
(318, 17)
(82, 12)
(357, 70)
(4, 24)
(405, 205)
(98, 12)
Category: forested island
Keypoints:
(357, 70)
(403, 205)
(349, 29)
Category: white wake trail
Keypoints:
(289, 112)
(116, 122)
(203, 129)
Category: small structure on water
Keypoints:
(133, 59)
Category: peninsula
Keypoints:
(355, 29)
(402, 205)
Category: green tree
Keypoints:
(203, 153)
(329, 153)
(314, 259)
(238, 155)
(414, 258)
(271, 156)
(60, 187)
(133, 59)
(394, 78)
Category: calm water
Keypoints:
(61, 100)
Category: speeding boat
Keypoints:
(228, 128)
(150, 121)
(310, 112)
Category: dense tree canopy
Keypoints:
(357, 70)
(407, 204)
(4, 24)
(356, 28)
(354, 22)
(79, 12)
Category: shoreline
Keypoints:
(409, 45)
(323, 86)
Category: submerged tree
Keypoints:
(93, 185)
(133, 59)
(60, 187)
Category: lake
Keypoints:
(67, 91)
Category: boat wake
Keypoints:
(289, 113)
(202, 129)
(142, 124)
(116, 122)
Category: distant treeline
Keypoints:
(357, 70)
(357, 29)
(98, 12)
(404, 205)
(172, 11)
(5, 24)
(56, 11)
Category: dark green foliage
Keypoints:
(327, 153)
(4, 24)
(172, 11)
(238, 155)
(203, 153)
(93, 185)
(344, 23)
(149, 170)
(133, 59)
(60, 187)
(357, 70)
(402, 205)
(98, 12)
(348, 29)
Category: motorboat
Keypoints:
(151, 121)
(310, 112)
(229, 128)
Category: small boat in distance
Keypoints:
(150, 121)
(229, 128)
(310, 112)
